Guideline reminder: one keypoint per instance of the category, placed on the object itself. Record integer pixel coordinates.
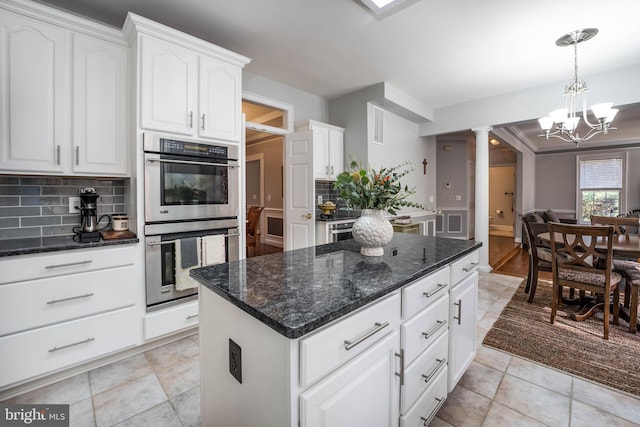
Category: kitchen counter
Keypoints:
(37, 245)
(299, 291)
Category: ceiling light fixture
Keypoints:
(566, 119)
(383, 8)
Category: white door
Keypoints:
(364, 392)
(299, 215)
(336, 153)
(99, 107)
(462, 332)
(220, 97)
(34, 107)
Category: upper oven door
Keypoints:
(184, 188)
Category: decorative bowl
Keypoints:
(326, 209)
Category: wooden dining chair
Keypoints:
(583, 267)
(252, 236)
(539, 257)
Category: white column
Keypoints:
(482, 195)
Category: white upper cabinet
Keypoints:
(34, 110)
(189, 94)
(63, 93)
(100, 113)
(328, 150)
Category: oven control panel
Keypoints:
(192, 149)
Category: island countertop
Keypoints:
(298, 291)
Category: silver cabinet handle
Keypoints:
(326, 170)
(401, 373)
(77, 155)
(440, 324)
(331, 170)
(471, 267)
(459, 304)
(168, 242)
(430, 375)
(427, 420)
(348, 344)
(58, 154)
(440, 286)
(192, 316)
(191, 119)
(203, 122)
(55, 301)
(88, 261)
(71, 345)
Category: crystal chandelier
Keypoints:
(566, 119)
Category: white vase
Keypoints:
(372, 230)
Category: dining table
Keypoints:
(624, 246)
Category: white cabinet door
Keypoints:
(364, 392)
(100, 111)
(34, 95)
(220, 95)
(462, 327)
(336, 153)
(299, 189)
(168, 87)
(321, 167)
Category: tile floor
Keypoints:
(161, 387)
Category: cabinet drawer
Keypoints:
(423, 292)
(170, 320)
(423, 372)
(418, 333)
(464, 267)
(47, 349)
(327, 349)
(29, 267)
(27, 305)
(428, 404)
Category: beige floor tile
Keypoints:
(464, 407)
(118, 373)
(187, 407)
(488, 319)
(619, 404)
(501, 416)
(180, 377)
(172, 354)
(437, 422)
(69, 391)
(160, 416)
(543, 405)
(493, 358)
(583, 415)
(481, 379)
(81, 414)
(540, 375)
(123, 402)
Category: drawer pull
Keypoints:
(348, 344)
(401, 374)
(471, 267)
(435, 329)
(441, 286)
(427, 420)
(459, 304)
(71, 345)
(430, 375)
(88, 261)
(54, 301)
(192, 316)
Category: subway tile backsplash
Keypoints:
(325, 189)
(39, 206)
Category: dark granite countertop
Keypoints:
(299, 291)
(36, 245)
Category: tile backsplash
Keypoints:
(38, 206)
(325, 189)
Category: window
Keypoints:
(601, 183)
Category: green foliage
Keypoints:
(376, 189)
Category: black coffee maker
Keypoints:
(89, 231)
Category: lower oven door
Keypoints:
(162, 268)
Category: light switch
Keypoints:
(268, 197)
(430, 199)
(458, 197)
(319, 199)
(254, 197)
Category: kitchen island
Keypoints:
(325, 336)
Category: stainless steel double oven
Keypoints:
(191, 190)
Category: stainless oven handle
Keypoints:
(186, 162)
(167, 242)
(341, 230)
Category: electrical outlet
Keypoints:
(74, 204)
(319, 199)
(235, 360)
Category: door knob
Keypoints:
(308, 216)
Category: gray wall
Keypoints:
(273, 161)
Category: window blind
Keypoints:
(601, 173)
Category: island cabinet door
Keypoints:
(462, 327)
(364, 392)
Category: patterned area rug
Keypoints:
(574, 347)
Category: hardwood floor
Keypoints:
(507, 257)
(262, 249)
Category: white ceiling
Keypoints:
(439, 52)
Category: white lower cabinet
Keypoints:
(364, 392)
(428, 404)
(170, 320)
(462, 329)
